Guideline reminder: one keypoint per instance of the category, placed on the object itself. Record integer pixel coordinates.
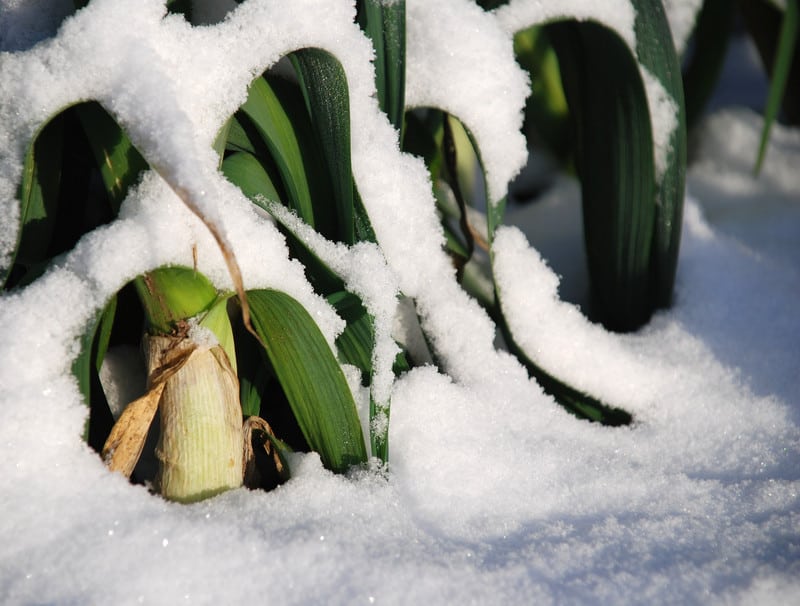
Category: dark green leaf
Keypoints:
(784, 56)
(248, 174)
(325, 90)
(119, 161)
(582, 405)
(38, 195)
(319, 274)
(615, 162)
(357, 341)
(270, 119)
(311, 378)
(631, 221)
(364, 230)
(656, 53)
(85, 368)
(385, 24)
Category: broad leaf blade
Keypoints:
(246, 172)
(119, 161)
(385, 24)
(38, 195)
(249, 175)
(661, 60)
(270, 119)
(311, 378)
(325, 90)
(615, 163)
(580, 404)
(355, 346)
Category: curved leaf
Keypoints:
(246, 172)
(311, 378)
(270, 119)
(616, 167)
(119, 162)
(38, 195)
(173, 294)
(325, 90)
(632, 212)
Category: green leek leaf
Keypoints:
(357, 341)
(246, 172)
(385, 25)
(85, 368)
(784, 56)
(311, 378)
(616, 167)
(580, 404)
(119, 161)
(327, 99)
(272, 122)
(632, 216)
(764, 20)
(38, 195)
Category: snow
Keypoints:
(682, 17)
(458, 59)
(493, 492)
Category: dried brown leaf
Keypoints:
(124, 445)
(251, 475)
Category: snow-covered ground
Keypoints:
(494, 493)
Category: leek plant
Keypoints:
(209, 432)
(236, 375)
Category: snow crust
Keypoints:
(494, 493)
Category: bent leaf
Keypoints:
(632, 206)
(311, 378)
(270, 119)
(119, 161)
(325, 90)
(38, 195)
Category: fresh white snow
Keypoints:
(494, 494)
